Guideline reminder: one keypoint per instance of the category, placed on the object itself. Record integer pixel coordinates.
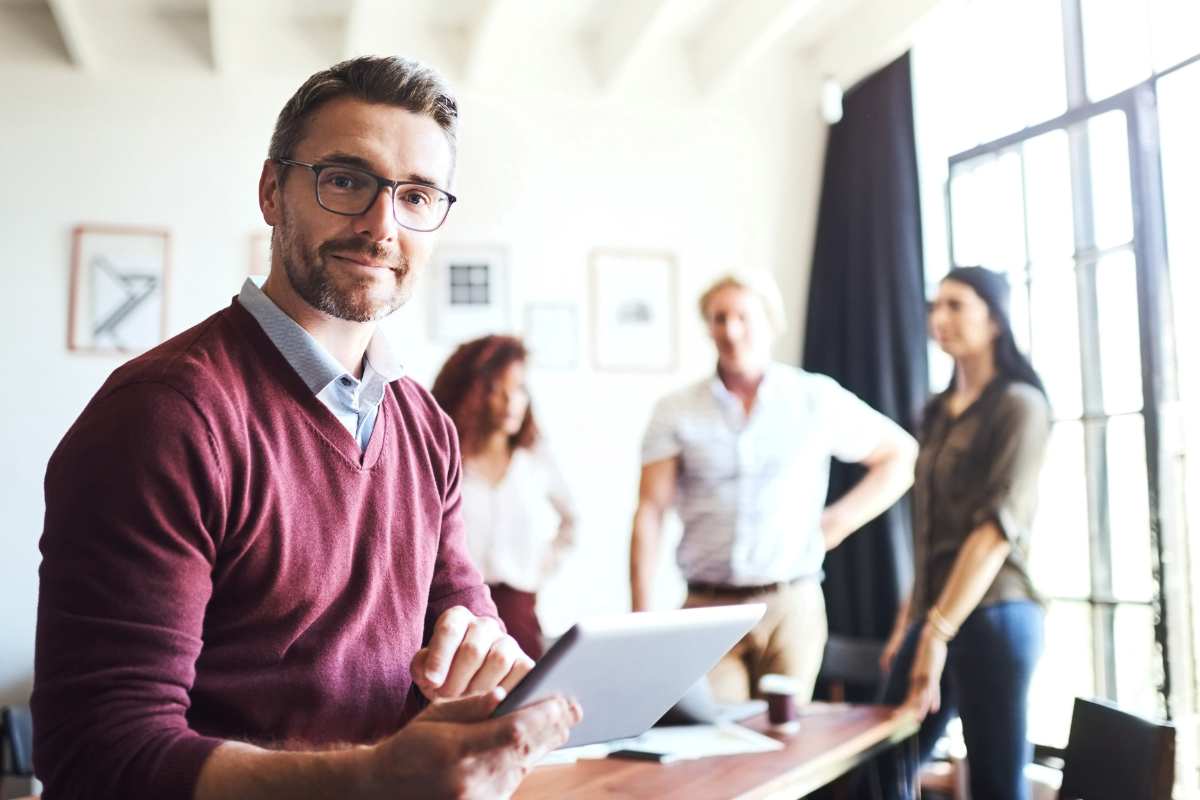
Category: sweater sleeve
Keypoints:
(133, 497)
(1009, 491)
(456, 579)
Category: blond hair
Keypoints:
(757, 281)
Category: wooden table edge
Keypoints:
(818, 772)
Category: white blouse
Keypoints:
(519, 530)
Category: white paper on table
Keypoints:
(684, 742)
(569, 755)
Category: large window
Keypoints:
(1099, 102)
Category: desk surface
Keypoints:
(833, 739)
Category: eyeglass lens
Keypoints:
(349, 191)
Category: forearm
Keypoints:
(901, 622)
(237, 771)
(978, 562)
(643, 555)
(878, 490)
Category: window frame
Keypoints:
(1160, 387)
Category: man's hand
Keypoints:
(891, 649)
(453, 750)
(468, 655)
(924, 682)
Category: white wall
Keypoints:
(548, 168)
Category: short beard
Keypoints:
(308, 273)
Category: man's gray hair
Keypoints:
(756, 281)
(383, 80)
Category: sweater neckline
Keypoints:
(316, 414)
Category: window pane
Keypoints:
(1112, 207)
(1055, 351)
(1058, 559)
(1048, 194)
(1174, 31)
(989, 68)
(1116, 45)
(988, 214)
(1018, 309)
(1120, 353)
(1064, 673)
(1139, 668)
(1179, 126)
(1129, 509)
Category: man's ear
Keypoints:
(269, 192)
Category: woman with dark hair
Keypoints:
(968, 637)
(519, 514)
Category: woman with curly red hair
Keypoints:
(519, 514)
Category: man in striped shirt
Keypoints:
(744, 458)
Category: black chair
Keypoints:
(1114, 755)
(851, 662)
(16, 742)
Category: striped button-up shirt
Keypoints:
(751, 488)
(355, 402)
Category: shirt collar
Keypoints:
(312, 362)
(766, 389)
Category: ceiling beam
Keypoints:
(222, 34)
(632, 31)
(483, 40)
(76, 34)
(872, 38)
(740, 35)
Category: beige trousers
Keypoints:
(788, 640)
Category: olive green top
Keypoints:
(981, 465)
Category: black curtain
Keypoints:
(866, 322)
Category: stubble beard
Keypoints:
(307, 270)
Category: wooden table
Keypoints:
(833, 740)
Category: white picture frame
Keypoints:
(634, 315)
(118, 294)
(552, 335)
(471, 290)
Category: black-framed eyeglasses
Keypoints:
(350, 192)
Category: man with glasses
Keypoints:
(254, 568)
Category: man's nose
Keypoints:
(379, 221)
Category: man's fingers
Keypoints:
(517, 673)
(448, 635)
(472, 708)
(531, 731)
(472, 650)
(496, 665)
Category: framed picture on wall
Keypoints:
(118, 288)
(633, 311)
(552, 335)
(471, 292)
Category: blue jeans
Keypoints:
(989, 666)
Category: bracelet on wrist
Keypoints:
(939, 626)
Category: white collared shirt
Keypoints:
(519, 529)
(355, 402)
(751, 489)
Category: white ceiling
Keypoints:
(721, 39)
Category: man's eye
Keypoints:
(416, 197)
(342, 181)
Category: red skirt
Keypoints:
(516, 609)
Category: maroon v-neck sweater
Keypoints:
(220, 561)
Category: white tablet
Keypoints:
(626, 670)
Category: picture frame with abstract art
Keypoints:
(634, 316)
(119, 278)
(470, 292)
